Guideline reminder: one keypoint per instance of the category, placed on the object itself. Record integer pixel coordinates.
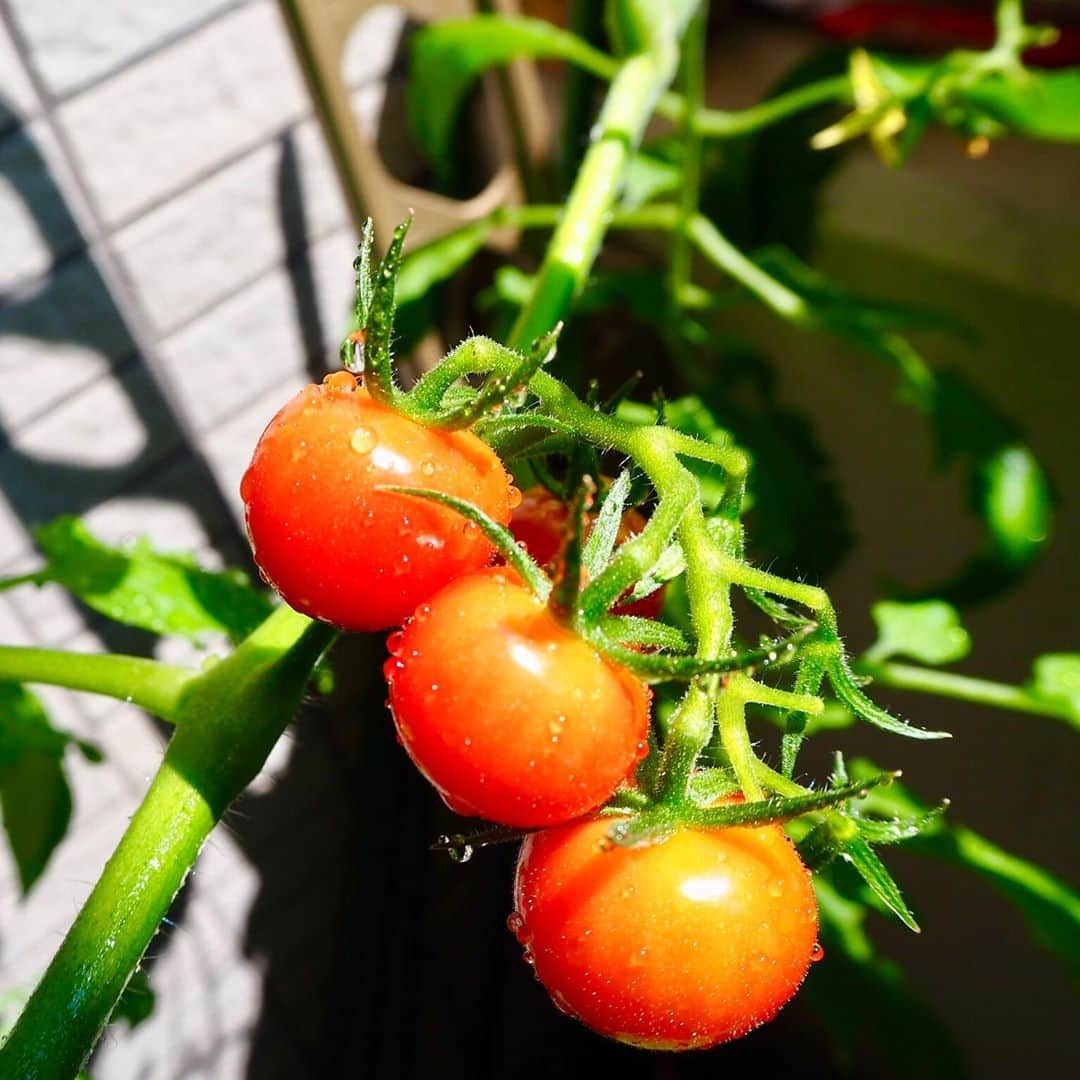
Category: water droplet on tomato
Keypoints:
(340, 380)
(776, 889)
(816, 953)
(515, 923)
(513, 497)
(392, 667)
(363, 440)
(470, 528)
(422, 612)
(393, 642)
(428, 468)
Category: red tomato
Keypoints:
(673, 946)
(511, 715)
(333, 546)
(540, 522)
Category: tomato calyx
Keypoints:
(713, 803)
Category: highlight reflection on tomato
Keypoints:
(511, 715)
(334, 546)
(671, 946)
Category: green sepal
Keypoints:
(847, 689)
(503, 539)
(378, 328)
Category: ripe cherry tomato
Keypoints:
(336, 548)
(511, 715)
(673, 946)
(540, 522)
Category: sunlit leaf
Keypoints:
(1044, 105)
(929, 631)
(164, 594)
(447, 58)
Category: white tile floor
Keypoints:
(157, 134)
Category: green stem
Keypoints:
(965, 688)
(693, 84)
(570, 255)
(714, 123)
(735, 739)
(228, 721)
(37, 577)
(151, 685)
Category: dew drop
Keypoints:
(513, 497)
(460, 853)
(340, 380)
(816, 953)
(428, 468)
(517, 926)
(776, 889)
(363, 440)
(470, 528)
(393, 642)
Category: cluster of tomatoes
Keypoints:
(516, 719)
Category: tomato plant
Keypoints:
(506, 711)
(324, 534)
(673, 946)
(662, 902)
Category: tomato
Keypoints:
(540, 522)
(511, 715)
(672, 946)
(339, 550)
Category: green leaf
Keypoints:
(1056, 677)
(647, 177)
(1044, 104)
(865, 1004)
(137, 1001)
(34, 795)
(1050, 908)
(929, 631)
(425, 267)
(447, 57)
(872, 870)
(164, 594)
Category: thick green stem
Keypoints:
(635, 88)
(151, 685)
(227, 722)
(693, 86)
